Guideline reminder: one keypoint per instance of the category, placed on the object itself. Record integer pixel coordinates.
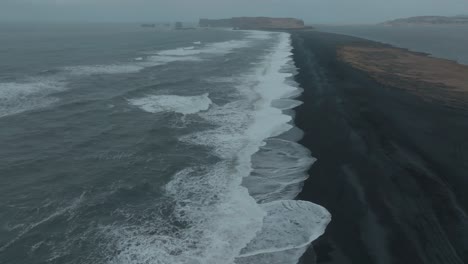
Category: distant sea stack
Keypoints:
(249, 23)
(180, 26)
(428, 20)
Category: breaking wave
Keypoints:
(240, 209)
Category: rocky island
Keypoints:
(259, 23)
(428, 20)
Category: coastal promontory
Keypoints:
(428, 20)
(254, 23)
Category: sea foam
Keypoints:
(240, 209)
(180, 52)
(173, 103)
(288, 226)
(162, 57)
(17, 97)
(104, 69)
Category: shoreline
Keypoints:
(391, 166)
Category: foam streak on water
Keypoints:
(173, 103)
(17, 97)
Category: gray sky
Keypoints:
(312, 11)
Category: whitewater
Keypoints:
(180, 153)
(226, 223)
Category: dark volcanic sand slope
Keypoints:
(392, 167)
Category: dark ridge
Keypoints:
(429, 20)
(258, 23)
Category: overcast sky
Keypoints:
(312, 11)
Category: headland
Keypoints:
(255, 23)
(428, 20)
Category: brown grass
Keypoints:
(428, 77)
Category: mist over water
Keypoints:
(312, 11)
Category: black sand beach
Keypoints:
(392, 166)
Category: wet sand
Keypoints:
(392, 147)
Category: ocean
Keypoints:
(441, 41)
(120, 144)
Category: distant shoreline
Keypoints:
(392, 165)
(254, 23)
(428, 20)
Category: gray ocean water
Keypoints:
(120, 144)
(441, 41)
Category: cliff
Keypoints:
(228, 23)
(428, 20)
(254, 23)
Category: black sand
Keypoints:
(392, 168)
